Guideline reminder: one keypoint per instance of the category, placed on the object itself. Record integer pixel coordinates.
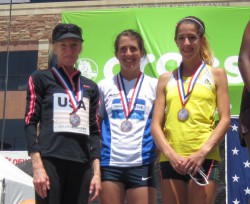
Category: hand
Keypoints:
(193, 163)
(176, 162)
(95, 187)
(41, 182)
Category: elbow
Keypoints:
(152, 127)
(154, 130)
(228, 126)
(227, 123)
(240, 62)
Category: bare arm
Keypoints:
(196, 159)
(158, 123)
(244, 57)
(223, 107)
(40, 177)
(95, 185)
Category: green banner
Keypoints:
(224, 30)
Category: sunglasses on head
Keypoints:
(70, 28)
(67, 28)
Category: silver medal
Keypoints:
(126, 126)
(183, 114)
(74, 119)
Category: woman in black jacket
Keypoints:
(68, 143)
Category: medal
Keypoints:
(128, 106)
(126, 126)
(183, 114)
(74, 119)
(75, 99)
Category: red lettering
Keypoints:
(8, 158)
(18, 161)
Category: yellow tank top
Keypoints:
(187, 137)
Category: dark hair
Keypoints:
(63, 30)
(132, 34)
(205, 52)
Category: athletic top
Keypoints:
(49, 104)
(186, 137)
(135, 147)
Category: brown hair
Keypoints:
(132, 34)
(206, 52)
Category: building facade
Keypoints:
(25, 33)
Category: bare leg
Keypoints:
(112, 193)
(141, 195)
(173, 191)
(201, 194)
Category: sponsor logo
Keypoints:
(145, 178)
(207, 82)
(88, 68)
(170, 60)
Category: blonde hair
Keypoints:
(52, 59)
(206, 52)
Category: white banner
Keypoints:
(15, 157)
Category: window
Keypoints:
(14, 138)
(21, 65)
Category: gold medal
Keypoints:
(74, 119)
(183, 114)
(126, 126)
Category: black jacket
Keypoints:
(42, 87)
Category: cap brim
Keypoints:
(68, 35)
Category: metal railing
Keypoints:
(3, 192)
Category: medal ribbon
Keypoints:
(73, 98)
(184, 97)
(129, 106)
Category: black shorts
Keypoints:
(131, 177)
(210, 168)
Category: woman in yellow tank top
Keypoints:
(183, 123)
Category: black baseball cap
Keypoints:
(63, 31)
